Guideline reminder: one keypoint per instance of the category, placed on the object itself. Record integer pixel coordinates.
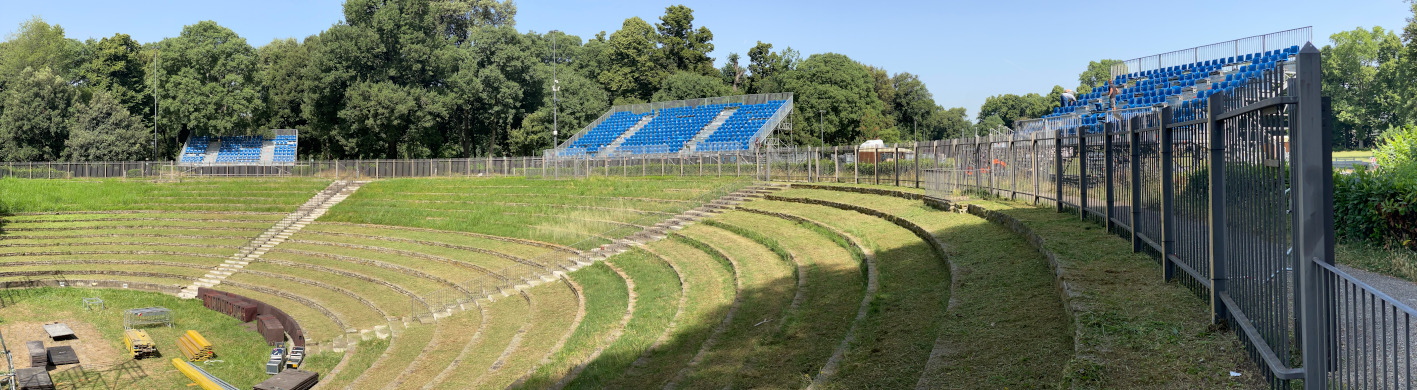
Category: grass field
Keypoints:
(259, 195)
(564, 212)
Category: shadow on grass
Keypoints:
(1010, 331)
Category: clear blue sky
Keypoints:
(964, 51)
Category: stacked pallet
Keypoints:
(139, 344)
(234, 306)
(63, 355)
(39, 357)
(290, 380)
(195, 347)
(33, 378)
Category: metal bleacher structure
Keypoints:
(681, 127)
(242, 150)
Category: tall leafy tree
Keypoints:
(38, 45)
(386, 120)
(33, 126)
(119, 66)
(1097, 74)
(1009, 107)
(103, 130)
(764, 64)
(455, 19)
(1408, 70)
(499, 80)
(631, 70)
(684, 48)
(951, 123)
(841, 87)
(1361, 74)
(689, 85)
(207, 77)
(731, 72)
(280, 73)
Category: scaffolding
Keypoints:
(147, 316)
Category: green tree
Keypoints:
(689, 85)
(731, 72)
(1096, 75)
(102, 130)
(1408, 70)
(952, 123)
(280, 73)
(119, 66)
(32, 127)
(207, 85)
(581, 102)
(38, 45)
(386, 120)
(764, 64)
(838, 85)
(1361, 74)
(630, 69)
(1009, 107)
(455, 19)
(499, 83)
(684, 48)
(988, 125)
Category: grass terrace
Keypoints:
(579, 213)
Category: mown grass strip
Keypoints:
(607, 299)
(829, 299)
(767, 291)
(359, 361)
(506, 316)
(555, 315)
(1134, 330)
(403, 349)
(32, 195)
(708, 291)
(984, 347)
(897, 336)
(354, 313)
(658, 286)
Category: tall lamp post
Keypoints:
(821, 126)
(555, 93)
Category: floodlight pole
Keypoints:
(821, 126)
(555, 94)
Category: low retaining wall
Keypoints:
(292, 327)
(871, 191)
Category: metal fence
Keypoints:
(1235, 195)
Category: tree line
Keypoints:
(417, 79)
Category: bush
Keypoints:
(1375, 206)
(1397, 155)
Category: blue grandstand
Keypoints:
(241, 150)
(1186, 86)
(713, 125)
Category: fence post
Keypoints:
(1082, 172)
(895, 163)
(1168, 198)
(1216, 218)
(915, 152)
(836, 166)
(1108, 128)
(856, 166)
(1058, 170)
(1033, 158)
(1310, 152)
(1134, 139)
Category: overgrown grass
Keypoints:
(767, 291)
(657, 290)
(1398, 262)
(241, 351)
(452, 334)
(894, 342)
(607, 298)
(26, 195)
(831, 295)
